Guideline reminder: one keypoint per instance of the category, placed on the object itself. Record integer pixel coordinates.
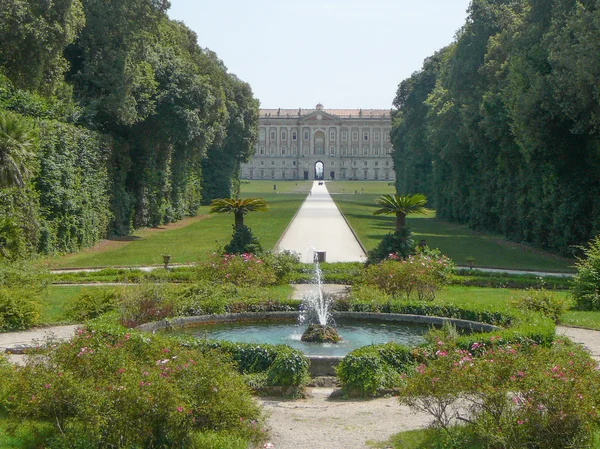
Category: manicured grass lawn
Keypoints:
(457, 241)
(581, 318)
(193, 239)
(55, 302)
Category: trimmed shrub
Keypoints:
(243, 242)
(368, 369)
(278, 365)
(586, 283)
(146, 303)
(399, 243)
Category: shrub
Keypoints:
(19, 308)
(400, 243)
(421, 275)
(241, 270)
(543, 301)
(586, 283)
(278, 365)
(367, 369)
(243, 242)
(92, 303)
(145, 303)
(126, 389)
(534, 397)
(282, 263)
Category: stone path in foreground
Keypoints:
(319, 225)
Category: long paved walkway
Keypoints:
(319, 226)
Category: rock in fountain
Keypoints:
(315, 307)
(319, 333)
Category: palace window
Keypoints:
(283, 134)
(262, 134)
(376, 135)
(293, 162)
(376, 151)
(294, 149)
(262, 162)
(262, 173)
(376, 163)
(306, 135)
(262, 150)
(272, 174)
(366, 174)
(366, 151)
(344, 135)
(332, 135)
(387, 136)
(273, 135)
(283, 150)
(282, 162)
(344, 151)
(294, 135)
(387, 163)
(332, 151)
(355, 151)
(354, 135)
(366, 163)
(366, 135)
(272, 150)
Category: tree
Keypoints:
(17, 138)
(401, 206)
(238, 207)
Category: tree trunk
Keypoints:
(400, 220)
(239, 219)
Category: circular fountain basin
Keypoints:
(356, 328)
(354, 333)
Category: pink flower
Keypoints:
(180, 409)
(121, 370)
(47, 386)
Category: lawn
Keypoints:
(457, 241)
(55, 301)
(192, 239)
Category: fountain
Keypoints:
(315, 313)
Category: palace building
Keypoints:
(314, 144)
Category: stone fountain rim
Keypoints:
(319, 365)
(183, 322)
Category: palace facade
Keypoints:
(313, 144)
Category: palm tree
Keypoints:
(17, 140)
(402, 206)
(238, 207)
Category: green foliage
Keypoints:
(586, 283)
(279, 365)
(500, 127)
(91, 303)
(19, 308)
(165, 393)
(243, 242)
(242, 270)
(370, 368)
(399, 243)
(401, 206)
(513, 396)
(73, 185)
(17, 140)
(145, 303)
(420, 275)
(543, 301)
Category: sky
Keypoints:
(345, 54)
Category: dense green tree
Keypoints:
(511, 133)
(33, 35)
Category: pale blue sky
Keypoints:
(342, 53)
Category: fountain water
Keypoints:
(315, 312)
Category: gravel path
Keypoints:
(322, 423)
